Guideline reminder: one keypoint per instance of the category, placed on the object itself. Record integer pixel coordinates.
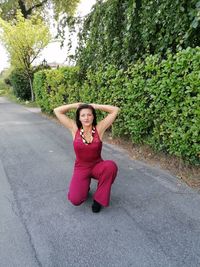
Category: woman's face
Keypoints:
(86, 117)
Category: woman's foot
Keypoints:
(96, 207)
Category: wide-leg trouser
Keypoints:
(105, 172)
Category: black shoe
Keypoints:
(96, 207)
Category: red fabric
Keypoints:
(89, 164)
(87, 154)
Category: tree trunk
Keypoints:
(27, 12)
(31, 86)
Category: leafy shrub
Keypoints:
(159, 99)
(56, 87)
(40, 91)
(121, 32)
(3, 88)
(20, 84)
(7, 81)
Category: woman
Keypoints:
(87, 139)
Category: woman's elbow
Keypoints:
(117, 109)
(56, 111)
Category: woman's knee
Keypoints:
(111, 166)
(75, 200)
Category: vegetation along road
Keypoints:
(153, 219)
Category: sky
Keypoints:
(52, 53)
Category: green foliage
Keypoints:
(24, 41)
(120, 32)
(159, 99)
(20, 84)
(3, 88)
(64, 7)
(55, 87)
(29, 7)
(177, 129)
(40, 90)
(5, 82)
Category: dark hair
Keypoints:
(84, 106)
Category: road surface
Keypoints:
(153, 219)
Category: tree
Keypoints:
(24, 40)
(28, 7)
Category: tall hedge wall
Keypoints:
(55, 87)
(122, 31)
(159, 99)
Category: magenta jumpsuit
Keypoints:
(89, 164)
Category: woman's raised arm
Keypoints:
(108, 120)
(65, 120)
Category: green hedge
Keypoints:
(3, 88)
(56, 87)
(20, 84)
(159, 99)
(121, 32)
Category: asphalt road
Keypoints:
(153, 219)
